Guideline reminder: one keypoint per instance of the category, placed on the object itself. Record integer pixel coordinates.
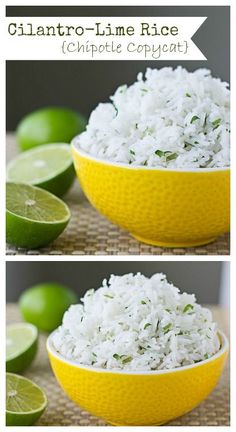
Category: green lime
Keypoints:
(34, 217)
(49, 167)
(45, 304)
(21, 346)
(25, 401)
(49, 125)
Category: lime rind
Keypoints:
(48, 125)
(31, 383)
(34, 216)
(37, 150)
(46, 193)
(34, 332)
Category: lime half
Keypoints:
(21, 346)
(48, 166)
(34, 217)
(25, 401)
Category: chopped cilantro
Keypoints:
(116, 109)
(160, 153)
(205, 120)
(108, 296)
(127, 360)
(188, 308)
(167, 154)
(167, 328)
(216, 123)
(116, 356)
(146, 326)
(172, 156)
(194, 118)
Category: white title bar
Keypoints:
(102, 38)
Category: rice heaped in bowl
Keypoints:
(139, 324)
(169, 118)
(155, 160)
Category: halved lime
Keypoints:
(34, 217)
(21, 346)
(25, 401)
(47, 166)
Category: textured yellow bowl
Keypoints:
(162, 207)
(138, 398)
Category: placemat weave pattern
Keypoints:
(89, 233)
(215, 411)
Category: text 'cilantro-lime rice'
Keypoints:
(137, 323)
(169, 118)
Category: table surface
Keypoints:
(214, 411)
(89, 233)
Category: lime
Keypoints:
(49, 167)
(25, 401)
(49, 125)
(34, 217)
(21, 346)
(45, 304)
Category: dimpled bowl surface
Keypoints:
(138, 398)
(158, 206)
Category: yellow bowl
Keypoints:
(162, 207)
(138, 398)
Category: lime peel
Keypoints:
(35, 225)
(48, 166)
(21, 391)
(18, 329)
(31, 202)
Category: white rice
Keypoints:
(171, 118)
(137, 323)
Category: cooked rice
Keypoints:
(137, 323)
(170, 118)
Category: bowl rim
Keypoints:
(223, 349)
(74, 145)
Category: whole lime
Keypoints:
(49, 125)
(44, 304)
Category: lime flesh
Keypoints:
(49, 167)
(21, 346)
(25, 401)
(34, 217)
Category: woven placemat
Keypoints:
(89, 233)
(215, 411)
